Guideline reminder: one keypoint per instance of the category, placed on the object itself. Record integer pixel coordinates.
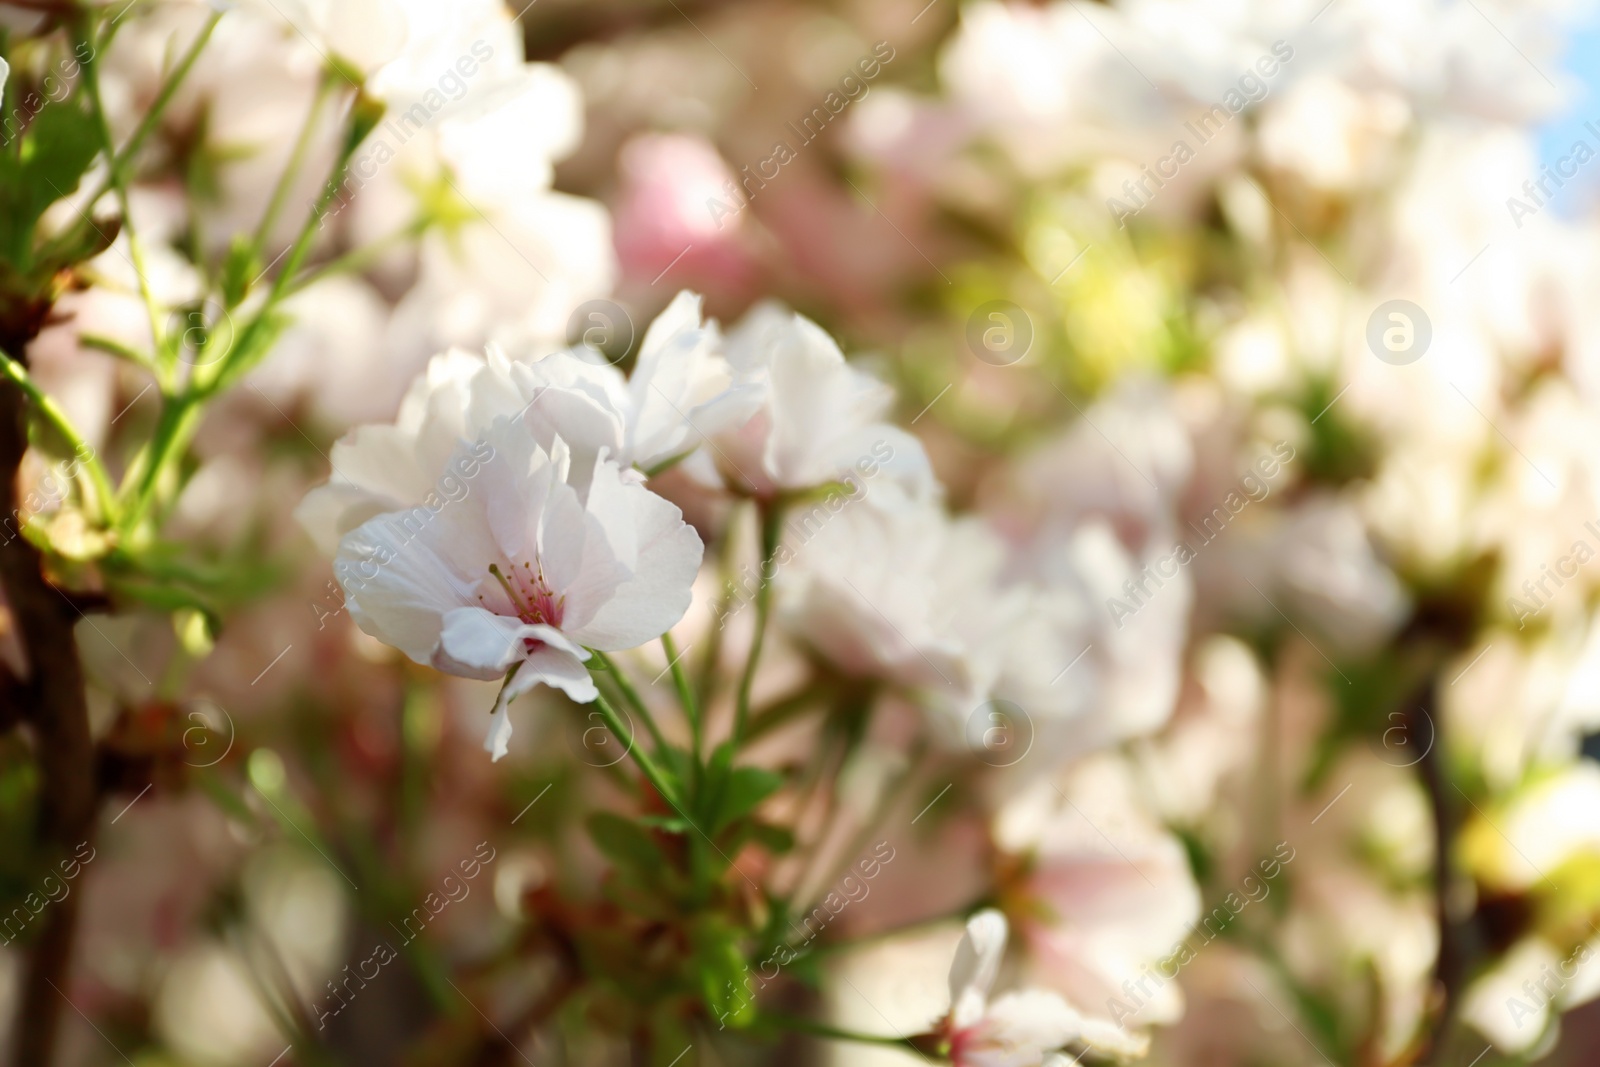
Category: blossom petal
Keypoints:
(387, 468)
(477, 643)
(552, 666)
(498, 740)
(813, 393)
(582, 403)
(1027, 1028)
(397, 583)
(661, 552)
(976, 964)
(683, 389)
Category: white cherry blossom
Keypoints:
(508, 274)
(681, 390)
(680, 387)
(819, 418)
(521, 576)
(387, 467)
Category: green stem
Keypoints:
(706, 674)
(82, 35)
(771, 513)
(112, 347)
(233, 364)
(153, 113)
(834, 1033)
(647, 766)
(357, 258)
(180, 417)
(105, 503)
(691, 708)
(302, 145)
(275, 989)
(786, 709)
(631, 695)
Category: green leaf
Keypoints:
(775, 839)
(240, 268)
(243, 351)
(626, 843)
(364, 118)
(724, 976)
(678, 764)
(746, 788)
(52, 158)
(715, 779)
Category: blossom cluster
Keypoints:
(1132, 465)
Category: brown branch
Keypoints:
(552, 30)
(52, 703)
(10, 699)
(1450, 970)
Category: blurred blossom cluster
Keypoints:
(1000, 533)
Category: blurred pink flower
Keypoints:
(678, 209)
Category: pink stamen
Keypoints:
(532, 599)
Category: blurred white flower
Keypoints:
(1333, 137)
(1030, 1028)
(1551, 821)
(1516, 1003)
(895, 589)
(1092, 664)
(681, 392)
(1212, 735)
(1325, 563)
(460, 95)
(248, 98)
(1096, 659)
(363, 33)
(508, 274)
(1109, 891)
(1126, 462)
(469, 142)
(332, 355)
(820, 419)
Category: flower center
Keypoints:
(532, 599)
